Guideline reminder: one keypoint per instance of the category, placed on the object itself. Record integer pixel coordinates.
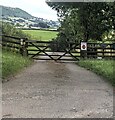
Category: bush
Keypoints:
(10, 30)
(58, 45)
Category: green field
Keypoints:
(13, 63)
(41, 34)
(104, 68)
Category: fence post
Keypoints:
(23, 48)
(83, 50)
(103, 49)
(26, 46)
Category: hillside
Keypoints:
(15, 12)
(23, 19)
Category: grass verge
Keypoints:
(13, 63)
(104, 68)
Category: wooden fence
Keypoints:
(13, 43)
(102, 50)
(34, 48)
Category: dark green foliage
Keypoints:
(43, 25)
(85, 20)
(58, 45)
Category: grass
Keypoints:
(41, 34)
(104, 68)
(13, 63)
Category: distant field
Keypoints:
(41, 34)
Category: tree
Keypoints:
(89, 20)
(43, 25)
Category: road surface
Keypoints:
(57, 90)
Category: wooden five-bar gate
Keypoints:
(49, 50)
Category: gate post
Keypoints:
(83, 50)
(23, 48)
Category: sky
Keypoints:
(37, 8)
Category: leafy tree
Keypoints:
(43, 25)
(89, 20)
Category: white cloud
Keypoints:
(36, 8)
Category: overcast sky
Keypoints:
(37, 8)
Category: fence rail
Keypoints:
(43, 48)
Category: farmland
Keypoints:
(41, 34)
